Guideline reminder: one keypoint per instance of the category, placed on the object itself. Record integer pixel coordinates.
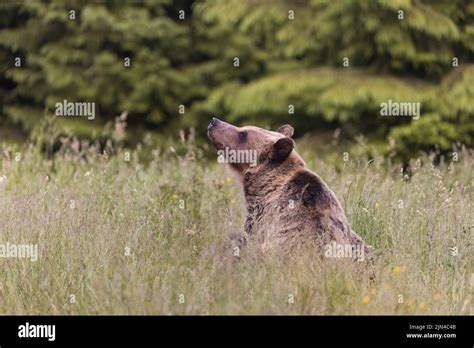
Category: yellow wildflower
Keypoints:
(397, 270)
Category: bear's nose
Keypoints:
(214, 122)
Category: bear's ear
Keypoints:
(281, 149)
(286, 130)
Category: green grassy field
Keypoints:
(124, 237)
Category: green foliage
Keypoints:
(405, 60)
(82, 59)
(344, 95)
(450, 122)
(401, 50)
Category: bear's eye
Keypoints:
(242, 136)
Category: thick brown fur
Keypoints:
(288, 206)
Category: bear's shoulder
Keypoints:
(311, 189)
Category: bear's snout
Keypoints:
(212, 128)
(214, 122)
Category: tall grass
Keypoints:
(128, 237)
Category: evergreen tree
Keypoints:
(314, 63)
(122, 56)
(403, 50)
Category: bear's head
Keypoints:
(250, 146)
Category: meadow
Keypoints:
(120, 235)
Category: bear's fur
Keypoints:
(288, 205)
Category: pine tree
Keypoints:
(401, 50)
(313, 63)
(120, 56)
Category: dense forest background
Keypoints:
(319, 65)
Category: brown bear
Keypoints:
(288, 205)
